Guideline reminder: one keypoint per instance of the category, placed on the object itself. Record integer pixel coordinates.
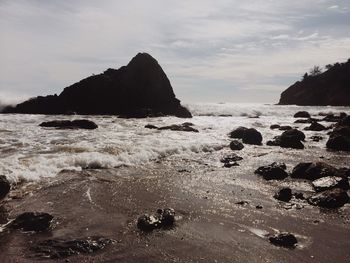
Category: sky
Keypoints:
(212, 51)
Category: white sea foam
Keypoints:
(31, 152)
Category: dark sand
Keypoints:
(211, 227)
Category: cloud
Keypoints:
(211, 50)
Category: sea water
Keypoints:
(30, 152)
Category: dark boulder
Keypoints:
(66, 124)
(163, 218)
(339, 139)
(32, 221)
(274, 126)
(252, 136)
(140, 89)
(330, 182)
(4, 186)
(289, 139)
(236, 145)
(274, 171)
(313, 171)
(284, 240)
(60, 248)
(333, 198)
(309, 120)
(176, 127)
(238, 133)
(302, 114)
(315, 126)
(284, 194)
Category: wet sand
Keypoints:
(210, 225)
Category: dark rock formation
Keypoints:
(238, 133)
(334, 118)
(309, 120)
(163, 218)
(59, 248)
(32, 221)
(330, 199)
(339, 138)
(65, 124)
(252, 136)
(150, 126)
(284, 194)
(140, 89)
(302, 114)
(330, 182)
(274, 171)
(328, 88)
(248, 136)
(289, 139)
(284, 240)
(236, 145)
(313, 171)
(285, 128)
(274, 126)
(4, 186)
(315, 126)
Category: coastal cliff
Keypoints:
(140, 89)
(331, 87)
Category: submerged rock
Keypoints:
(333, 198)
(32, 221)
(330, 182)
(60, 248)
(163, 218)
(150, 126)
(285, 128)
(284, 194)
(183, 127)
(287, 240)
(66, 124)
(274, 171)
(302, 114)
(274, 126)
(315, 126)
(4, 186)
(316, 138)
(313, 171)
(236, 145)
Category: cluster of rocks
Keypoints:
(67, 124)
(186, 126)
(330, 184)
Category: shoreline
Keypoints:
(210, 225)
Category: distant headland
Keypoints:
(140, 89)
(318, 88)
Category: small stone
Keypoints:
(274, 171)
(236, 145)
(285, 194)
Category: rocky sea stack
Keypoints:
(140, 89)
(331, 87)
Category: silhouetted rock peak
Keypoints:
(140, 89)
(331, 87)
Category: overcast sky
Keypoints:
(213, 51)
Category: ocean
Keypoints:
(31, 153)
